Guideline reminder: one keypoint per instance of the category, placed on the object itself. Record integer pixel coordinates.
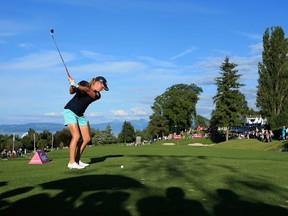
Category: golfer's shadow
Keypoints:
(101, 159)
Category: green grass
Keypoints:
(235, 178)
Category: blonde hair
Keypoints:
(92, 81)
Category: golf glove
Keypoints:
(73, 83)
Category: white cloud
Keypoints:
(53, 114)
(119, 113)
(36, 61)
(251, 35)
(96, 56)
(130, 114)
(256, 48)
(156, 62)
(94, 114)
(111, 67)
(185, 52)
(26, 45)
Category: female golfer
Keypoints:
(85, 93)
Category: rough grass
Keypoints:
(241, 177)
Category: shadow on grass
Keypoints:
(231, 204)
(101, 159)
(81, 195)
(101, 195)
(228, 204)
(108, 194)
(3, 183)
(173, 204)
(15, 192)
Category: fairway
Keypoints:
(155, 179)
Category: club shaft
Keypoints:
(61, 56)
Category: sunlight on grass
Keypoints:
(181, 178)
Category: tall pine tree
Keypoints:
(231, 105)
(127, 133)
(272, 89)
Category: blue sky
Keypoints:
(142, 47)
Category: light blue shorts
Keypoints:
(71, 118)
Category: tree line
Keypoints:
(46, 140)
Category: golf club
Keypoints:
(51, 32)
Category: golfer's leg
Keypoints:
(74, 130)
(85, 132)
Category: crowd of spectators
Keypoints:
(5, 154)
(261, 133)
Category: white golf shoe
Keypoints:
(75, 166)
(83, 164)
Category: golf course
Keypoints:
(174, 177)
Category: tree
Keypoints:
(3, 140)
(175, 107)
(44, 139)
(62, 138)
(201, 121)
(29, 139)
(103, 137)
(99, 138)
(127, 133)
(231, 105)
(42, 143)
(252, 112)
(110, 138)
(7, 142)
(272, 97)
(158, 126)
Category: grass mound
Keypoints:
(244, 144)
(251, 144)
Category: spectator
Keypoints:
(270, 135)
(267, 136)
(284, 133)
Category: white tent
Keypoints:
(250, 120)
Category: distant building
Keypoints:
(255, 120)
(250, 123)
